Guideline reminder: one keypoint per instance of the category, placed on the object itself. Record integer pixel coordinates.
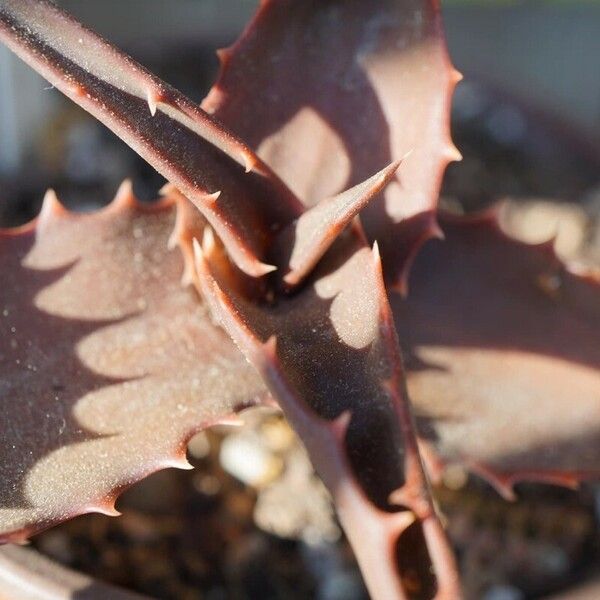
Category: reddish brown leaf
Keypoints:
(27, 575)
(167, 129)
(300, 246)
(329, 355)
(107, 364)
(330, 92)
(503, 348)
(336, 368)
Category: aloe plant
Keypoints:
(126, 331)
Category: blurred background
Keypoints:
(527, 120)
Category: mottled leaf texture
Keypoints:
(502, 344)
(330, 92)
(177, 138)
(107, 363)
(329, 355)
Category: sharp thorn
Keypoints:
(198, 253)
(153, 99)
(249, 161)
(167, 189)
(51, 205)
(264, 269)
(210, 199)
(270, 347)
(456, 76)
(105, 509)
(376, 254)
(452, 153)
(340, 424)
(124, 194)
(208, 241)
(436, 232)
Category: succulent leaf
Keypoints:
(107, 364)
(503, 356)
(329, 355)
(300, 245)
(27, 575)
(328, 93)
(240, 196)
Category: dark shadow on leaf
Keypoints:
(41, 376)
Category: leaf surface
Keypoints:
(503, 353)
(329, 93)
(192, 150)
(330, 356)
(107, 364)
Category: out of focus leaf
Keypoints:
(502, 343)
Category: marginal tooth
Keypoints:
(208, 241)
(168, 189)
(184, 463)
(452, 153)
(124, 196)
(436, 232)
(51, 209)
(270, 348)
(249, 161)
(400, 521)
(387, 321)
(105, 509)
(264, 269)
(211, 199)
(340, 424)
(376, 255)
(177, 462)
(19, 539)
(173, 240)
(223, 54)
(198, 253)
(51, 204)
(153, 98)
(397, 497)
(456, 76)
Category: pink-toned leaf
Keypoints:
(27, 575)
(177, 138)
(503, 349)
(329, 355)
(300, 246)
(107, 364)
(330, 92)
